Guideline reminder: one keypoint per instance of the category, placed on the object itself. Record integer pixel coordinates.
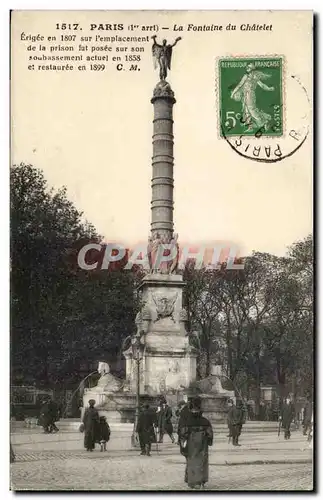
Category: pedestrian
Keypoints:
(287, 414)
(262, 411)
(12, 454)
(54, 415)
(91, 426)
(250, 410)
(230, 404)
(183, 411)
(236, 419)
(104, 432)
(195, 438)
(165, 425)
(44, 415)
(307, 416)
(311, 432)
(146, 424)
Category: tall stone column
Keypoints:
(162, 162)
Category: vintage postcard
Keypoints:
(161, 185)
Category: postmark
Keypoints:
(261, 121)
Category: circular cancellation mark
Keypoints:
(262, 145)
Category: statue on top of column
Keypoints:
(162, 55)
(158, 244)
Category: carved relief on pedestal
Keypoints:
(165, 306)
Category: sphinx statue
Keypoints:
(212, 384)
(107, 382)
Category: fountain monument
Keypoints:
(168, 361)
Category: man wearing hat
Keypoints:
(287, 415)
(147, 422)
(91, 423)
(236, 419)
(196, 435)
(164, 417)
(183, 411)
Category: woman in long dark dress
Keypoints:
(91, 426)
(196, 436)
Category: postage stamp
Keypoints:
(251, 96)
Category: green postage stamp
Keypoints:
(251, 96)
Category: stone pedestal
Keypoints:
(215, 407)
(118, 406)
(168, 361)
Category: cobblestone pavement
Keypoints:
(262, 463)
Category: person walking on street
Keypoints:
(183, 412)
(146, 424)
(307, 416)
(165, 422)
(311, 432)
(54, 416)
(230, 404)
(287, 414)
(196, 435)
(91, 426)
(49, 414)
(236, 419)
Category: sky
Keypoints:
(92, 131)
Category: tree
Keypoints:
(263, 316)
(61, 315)
(203, 302)
(289, 329)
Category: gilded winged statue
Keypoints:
(162, 55)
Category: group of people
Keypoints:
(153, 425)
(288, 416)
(195, 435)
(96, 429)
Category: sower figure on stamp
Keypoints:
(245, 92)
(287, 415)
(147, 422)
(195, 438)
(162, 55)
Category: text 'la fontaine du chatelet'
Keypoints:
(219, 27)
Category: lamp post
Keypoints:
(137, 357)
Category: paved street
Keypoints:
(58, 462)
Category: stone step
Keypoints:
(73, 424)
